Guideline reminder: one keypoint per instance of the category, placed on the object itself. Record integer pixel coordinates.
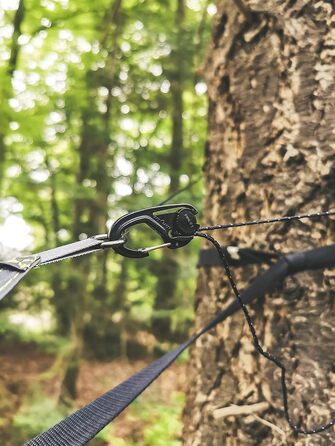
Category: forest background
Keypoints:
(102, 111)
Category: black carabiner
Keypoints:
(176, 227)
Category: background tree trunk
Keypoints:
(6, 90)
(270, 151)
(167, 269)
(90, 213)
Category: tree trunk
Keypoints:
(6, 90)
(90, 213)
(270, 151)
(167, 269)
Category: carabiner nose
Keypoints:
(175, 223)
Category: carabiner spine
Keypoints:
(176, 228)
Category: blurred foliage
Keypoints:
(36, 416)
(102, 111)
(160, 423)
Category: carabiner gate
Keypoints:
(175, 223)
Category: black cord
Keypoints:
(267, 221)
(257, 345)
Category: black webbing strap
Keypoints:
(12, 271)
(83, 425)
(236, 256)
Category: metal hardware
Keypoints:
(176, 224)
(153, 248)
(108, 243)
(101, 237)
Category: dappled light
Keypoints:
(102, 112)
(129, 131)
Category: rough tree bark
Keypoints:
(270, 151)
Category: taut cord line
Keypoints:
(267, 221)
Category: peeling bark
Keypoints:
(270, 151)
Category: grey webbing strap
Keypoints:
(86, 423)
(71, 250)
(12, 271)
